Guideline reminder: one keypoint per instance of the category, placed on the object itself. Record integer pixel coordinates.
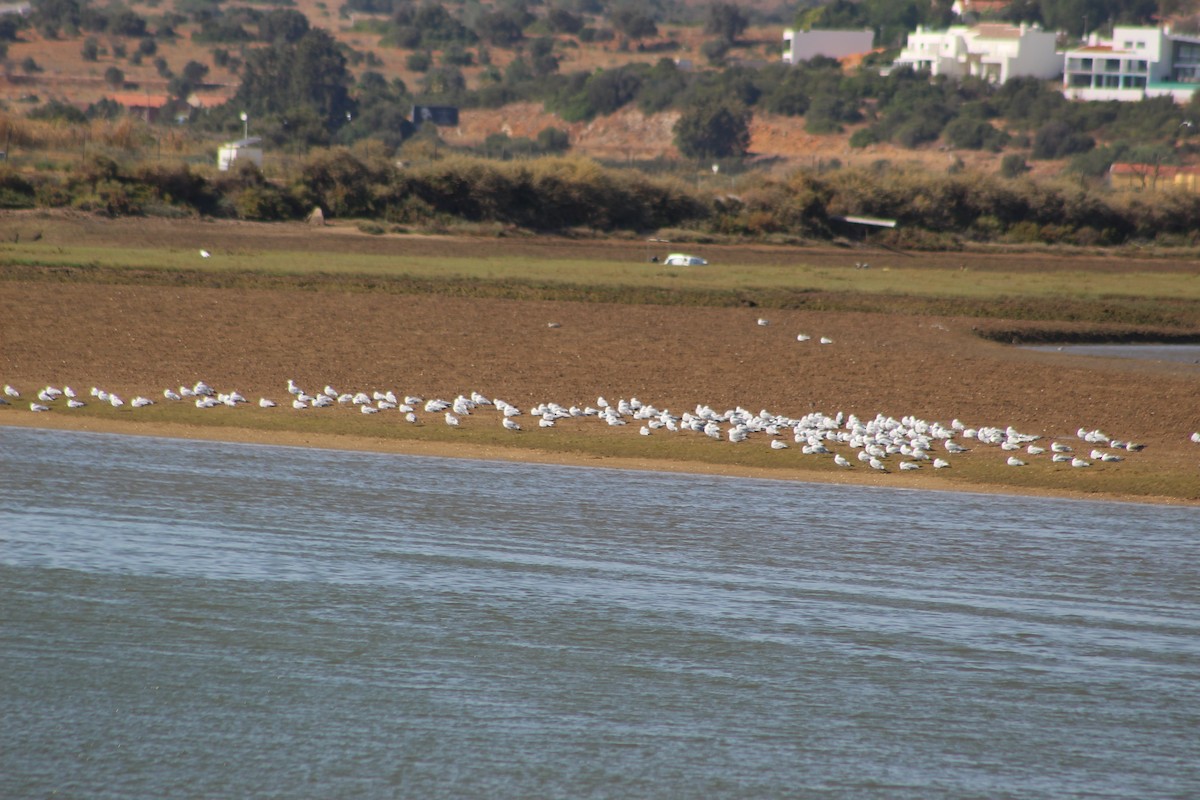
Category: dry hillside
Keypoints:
(627, 135)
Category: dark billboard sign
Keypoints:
(438, 115)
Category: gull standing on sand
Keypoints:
(11, 392)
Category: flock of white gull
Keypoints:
(882, 443)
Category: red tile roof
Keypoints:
(140, 99)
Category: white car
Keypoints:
(681, 260)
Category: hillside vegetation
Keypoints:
(950, 160)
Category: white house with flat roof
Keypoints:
(1137, 62)
(248, 149)
(802, 45)
(994, 52)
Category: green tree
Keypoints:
(553, 140)
(54, 16)
(456, 56)
(974, 134)
(437, 26)
(104, 109)
(561, 20)
(282, 25)
(127, 23)
(1058, 140)
(446, 83)
(714, 51)
(58, 110)
(114, 77)
(663, 86)
(91, 49)
(633, 22)
(725, 20)
(713, 129)
(542, 58)
(501, 28)
(419, 60)
(1013, 165)
(304, 80)
(187, 81)
(383, 110)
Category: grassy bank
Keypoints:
(1166, 302)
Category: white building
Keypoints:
(1135, 63)
(802, 45)
(243, 149)
(994, 52)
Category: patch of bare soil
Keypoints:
(628, 134)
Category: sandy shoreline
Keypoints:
(476, 451)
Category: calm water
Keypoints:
(1183, 353)
(194, 620)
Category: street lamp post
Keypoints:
(245, 125)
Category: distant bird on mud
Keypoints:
(205, 254)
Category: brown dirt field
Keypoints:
(140, 339)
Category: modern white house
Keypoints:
(248, 149)
(802, 45)
(994, 52)
(1137, 62)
